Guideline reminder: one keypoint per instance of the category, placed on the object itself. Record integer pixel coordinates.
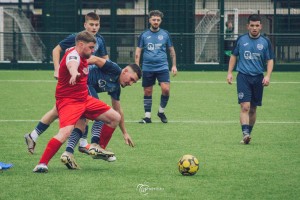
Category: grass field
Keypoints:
(203, 120)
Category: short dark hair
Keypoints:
(85, 36)
(156, 13)
(136, 69)
(254, 18)
(91, 16)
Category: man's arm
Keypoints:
(266, 80)
(117, 107)
(173, 58)
(231, 65)
(73, 69)
(138, 52)
(56, 58)
(97, 61)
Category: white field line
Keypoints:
(193, 82)
(179, 121)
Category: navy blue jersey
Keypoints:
(100, 47)
(106, 79)
(253, 54)
(155, 46)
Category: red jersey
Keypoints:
(64, 89)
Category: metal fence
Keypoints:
(197, 27)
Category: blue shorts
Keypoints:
(250, 89)
(150, 77)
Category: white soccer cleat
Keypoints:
(41, 168)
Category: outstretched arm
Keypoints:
(117, 107)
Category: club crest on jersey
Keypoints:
(260, 46)
(85, 71)
(101, 83)
(160, 37)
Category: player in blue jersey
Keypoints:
(154, 43)
(254, 53)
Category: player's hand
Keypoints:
(266, 81)
(128, 140)
(229, 78)
(56, 75)
(174, 71)
(73, 78)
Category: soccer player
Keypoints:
(107, 76)
(254, 52)
(92, 25)
(73, 102)
(154, 42)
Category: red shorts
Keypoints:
(71, 110)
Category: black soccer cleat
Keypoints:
(162, 117)
(145, 120)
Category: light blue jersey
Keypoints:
(253, 54)
(155, 46)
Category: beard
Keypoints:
(86, 56)
(155, 28)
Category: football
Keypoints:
(188, 165)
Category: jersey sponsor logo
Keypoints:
(251, 56)
(73, 57)
(150, 46)
(160, 37)
(260, 46)
(247, 55)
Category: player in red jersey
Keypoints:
(72, 100)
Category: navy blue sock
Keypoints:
(164, 101)
(96, 130)
(41, 128)
(250, 129)
(73, 140)
(245, 129)
(147, 103)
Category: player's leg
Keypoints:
(52, 147)
(102, 140)
(244, 99)
(42, 126)
(68, 156)
(148, 80)
(256, 99)
(100, 111)
(163, 78)
(70, 111)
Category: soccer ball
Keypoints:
(188, 165)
